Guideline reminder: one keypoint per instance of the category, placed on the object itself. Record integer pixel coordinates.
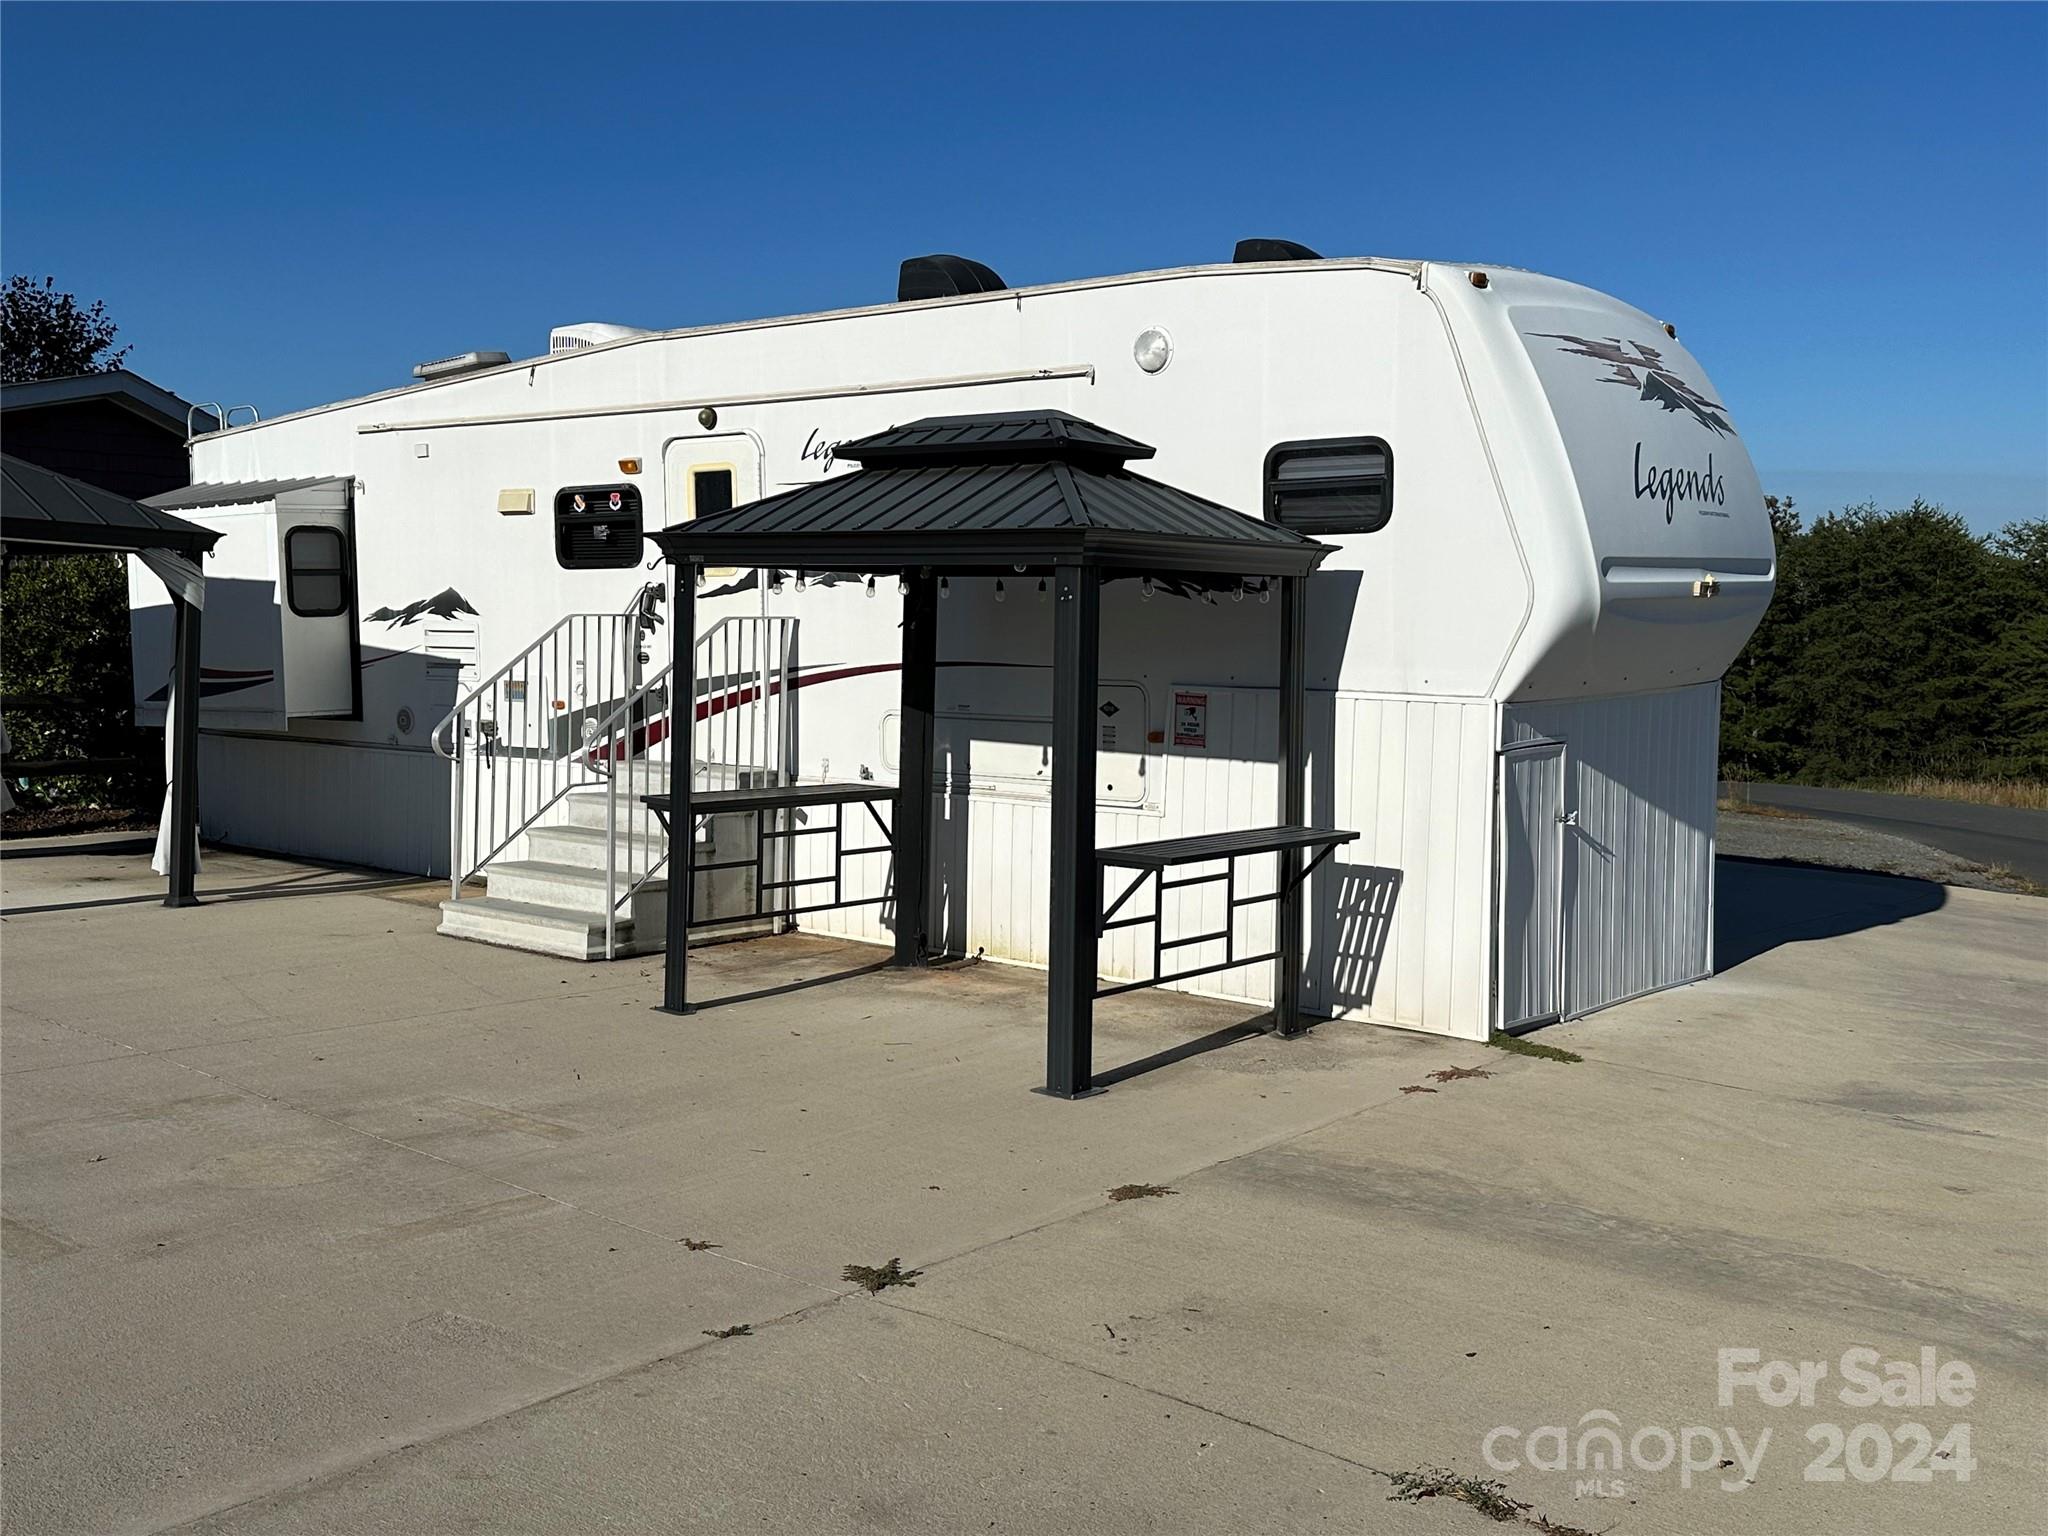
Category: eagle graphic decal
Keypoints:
(1642, 368)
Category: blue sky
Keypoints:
(1844, 208)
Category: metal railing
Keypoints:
(519, 741)
(742, 734)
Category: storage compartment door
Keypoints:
(1532, 851)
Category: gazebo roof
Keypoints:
(55, 514)
(983, 492)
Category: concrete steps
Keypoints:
(553, 900)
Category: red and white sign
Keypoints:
(1191, 720)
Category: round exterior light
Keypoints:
(1153, 349)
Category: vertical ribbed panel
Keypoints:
(1639, 865)
(1398, 921)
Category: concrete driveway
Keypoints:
(316, 1221)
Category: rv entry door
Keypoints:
(1533, 826)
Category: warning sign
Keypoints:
(1191, 720)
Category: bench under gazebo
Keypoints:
(1037, 493)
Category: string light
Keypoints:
(1041, 589)
(945, 587)
(1145, 589)
(1266, 592)
(871, 586)
(800, 582)
(775, 581)
(1238, 595)
(902, 585)
(999, 589)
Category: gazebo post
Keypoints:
(911, 829)
(1293, 800)
(184, 755)
(682, 831)
(1076, 881)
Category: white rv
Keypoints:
(1551, 544)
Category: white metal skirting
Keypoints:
(1639, 865)
(1398, 921)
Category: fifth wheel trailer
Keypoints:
(1550, 545)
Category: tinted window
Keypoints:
(1333, 485)
(710, 491)
(316, 572)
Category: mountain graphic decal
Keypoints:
(1642, 368)
(445, 604)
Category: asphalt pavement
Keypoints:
(1985, 834)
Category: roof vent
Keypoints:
(944, 277)
(463, 362)
(1273, 250)
(591, 333)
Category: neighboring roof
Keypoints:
(57, 513)
(230, 493)
(986, 491)
(119, 385)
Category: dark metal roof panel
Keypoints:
(230, 493)
(38, 507)
(996, 436)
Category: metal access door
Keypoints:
(1532, 870)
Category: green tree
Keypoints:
(64, 660)
(47, 334)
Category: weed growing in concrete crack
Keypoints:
(1140, 1192)
(1457, 1074)
(736, 1331)
(1490, 1498)
(1515, 1045)
(697, 1245)
(1417, 1088)
(872, 1279)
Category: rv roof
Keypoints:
(1210, 269)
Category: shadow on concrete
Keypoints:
(787, 987)
(139, 842)
(1215, 1040)
(1762, 903)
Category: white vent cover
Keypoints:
(462, 362)
(591, 333)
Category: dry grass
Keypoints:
(1751, 808)
(2022, 794)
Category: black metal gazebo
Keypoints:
(993, 495)
(42, 513)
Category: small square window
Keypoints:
(1331, 485)
(710, 491)
(316, 572)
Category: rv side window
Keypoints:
(1332, 485)
(710, 490)
(315, 572)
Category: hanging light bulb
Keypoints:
(945, 587)
(775, 581)
(871, 586)
(1266, 592)
(800, 582)
(1238, 595)
(700, 575)
(902, 586)
(1041, 589)
(1145, 589)
(999, 589)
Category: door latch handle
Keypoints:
(1568, 818)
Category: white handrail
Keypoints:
(515, 743)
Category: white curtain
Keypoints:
(187, 583)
